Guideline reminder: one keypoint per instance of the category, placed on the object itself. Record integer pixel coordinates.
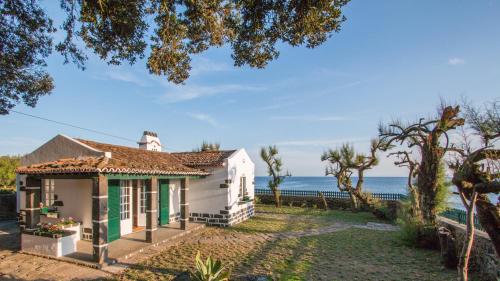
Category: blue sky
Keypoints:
(392, 59)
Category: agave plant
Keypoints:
(210, 270)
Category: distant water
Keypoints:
(371, 184)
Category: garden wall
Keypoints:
(7, 206)
(484, 259)
(392, 207)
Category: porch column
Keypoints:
(33, 189)
(151, 209)
(100, 218)
(184, 203)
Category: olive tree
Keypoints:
(343, 163)
(429, 138)
(476, 170)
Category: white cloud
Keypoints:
(204, 118)
(331, 142)
(311, 118)
(456, 61)
(204, 65)
(179, 93)
(126, 77)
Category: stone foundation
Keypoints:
(484, 259)
(225, 217)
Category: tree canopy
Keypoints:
(8, 165)
(168, 32)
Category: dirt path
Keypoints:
(16, 266)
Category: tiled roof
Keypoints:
(123, 160)
(204, 158)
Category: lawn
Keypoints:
(252, 248)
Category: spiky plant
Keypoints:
(210, 270)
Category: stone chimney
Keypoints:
(150, 141)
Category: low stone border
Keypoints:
(483, 258)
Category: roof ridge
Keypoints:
(119, 145)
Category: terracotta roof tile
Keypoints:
(204, 158)
(123, 160)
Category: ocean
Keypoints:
(372, 184)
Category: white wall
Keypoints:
(77, 198)
(206, 196)
(20, 195)
(240, 165)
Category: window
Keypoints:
(142, 201)
(243, 187)
(49, 193)
(124, 200)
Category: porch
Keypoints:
(112, 205)
(129, 245)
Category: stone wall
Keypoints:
(7, 206)
(484, 259)
(225, 218)
(391, 207)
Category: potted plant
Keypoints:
(49, 230)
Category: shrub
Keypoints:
(210, 270)
(7, 190)
(413, 232)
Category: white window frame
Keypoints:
(243, 187)
(49, 192)
(142, 198)
(125, 199)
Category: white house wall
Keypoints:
(77, 198)
(210, 203)
(205, 194)
(240, 165)
(59, 147)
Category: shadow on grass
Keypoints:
(287, 259)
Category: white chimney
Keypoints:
(150, 141)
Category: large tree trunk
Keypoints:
(277, 197)
(463, 264)
(354, 201)
(489, 217)
(427, 186)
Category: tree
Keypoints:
(343, 162)
(274, 164)
(207, 146)
(172, 31)
(430, 139)
(476, 170)
(8, 165)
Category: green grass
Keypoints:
(350, 254)
(330, 215)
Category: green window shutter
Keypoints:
(113, 210)
(164, 202)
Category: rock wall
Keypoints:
(484, 259)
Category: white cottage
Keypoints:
(116, 190)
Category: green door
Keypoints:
(164, 202)
(113, 210)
